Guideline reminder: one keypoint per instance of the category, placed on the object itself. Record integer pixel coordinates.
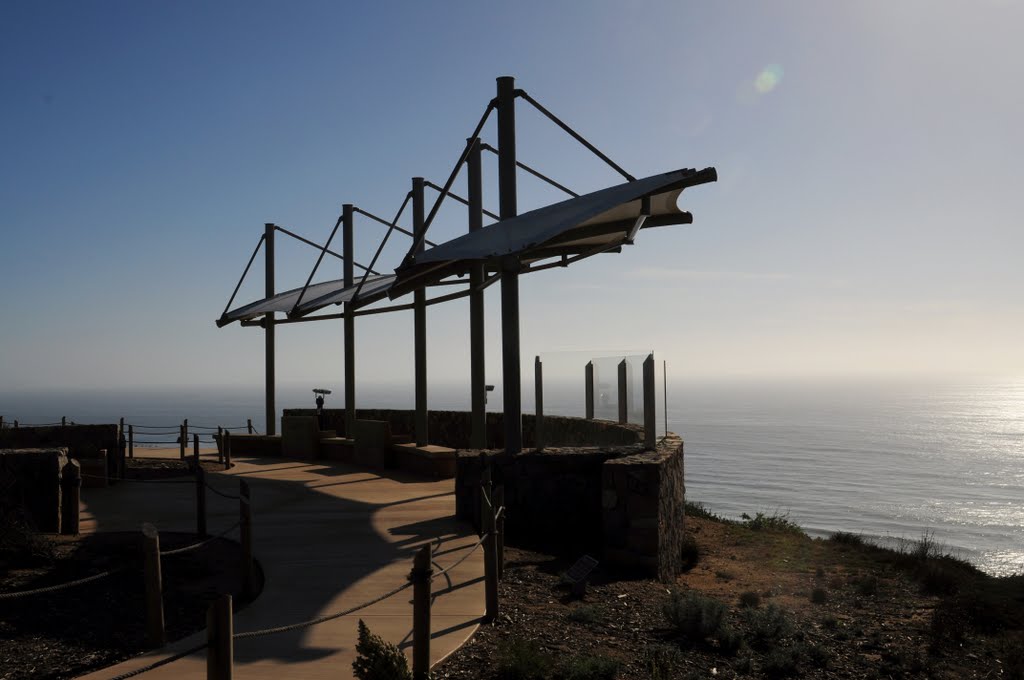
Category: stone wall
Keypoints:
(30, 481)
(621, 504)
(452, 428)
(642, 502)
(83, 442)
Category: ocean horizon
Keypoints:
(892, 461)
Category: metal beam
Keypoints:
(511, 388)
(268, 331)
(477, 361)
(588, 390)
(420, 321)
(623, 393)
(348, 247)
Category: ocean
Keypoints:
(889, 461)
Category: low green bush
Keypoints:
(694, 616)
(586, 613)
(377, 659)
(773, 522)
(750, 599)
(663, 662)
(520, 659)
(588, 668)
(768, 625)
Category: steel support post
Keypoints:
(511, 387)
(268, 329)
(420, 323)
(477, 363)
(348, 250)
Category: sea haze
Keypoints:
(889, 461)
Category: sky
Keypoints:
(865, 221)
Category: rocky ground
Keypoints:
(69, 632)
(762, 600)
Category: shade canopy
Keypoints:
(316, 297)
(595, 222)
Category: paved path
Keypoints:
(328, 536)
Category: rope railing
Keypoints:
(162, 662)
(59, 586)
(200, 544)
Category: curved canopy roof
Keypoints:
(317, 296)
(597, 221)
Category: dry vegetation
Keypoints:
(761, 600)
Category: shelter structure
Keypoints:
(555, 235)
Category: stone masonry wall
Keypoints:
(452, 428)
(81, 441)
(622, 504)
(642, 502)
(30, 480)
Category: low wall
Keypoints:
(622, 503)
(642, 509)
(452, 428)
(31, 484)
(83, 442)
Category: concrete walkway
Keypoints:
(328, 537)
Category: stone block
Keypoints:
(31, 480)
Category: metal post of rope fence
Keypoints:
(200, 500)
(154, 586)
(181, 441)
(220, 647)
(248, 425)
(71, 492)
(490, 545)
(195, 448)
(227, 449)
(184, 424)
(15, 424)
(63, 421)
(220, 444)
(245, 536)
(131, 441)
(498, 498)
(420, 576)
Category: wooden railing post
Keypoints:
(490, 544)
(220, 444)
(220, 648)
(420, 577)
(200, 500)
(154, 586)
(499, 527)
(131, 441)
(248, 424)
(71, 483)
(63, 421)
(245, 537)
(182, 441)
(227, 449)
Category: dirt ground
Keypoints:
(69, 632)
(847, 611)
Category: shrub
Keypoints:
(696, 509)
(750, 599)
(523, 660)
(377, 659)
(589, 668)
(830, 622)
(19, 545)
(819, 656)
(819, 596)
(586, 613)
(772, 522)
(783, 662)
(730, 642)
(690, 552)
(768, 625)
(694, 616)
(948, 628)
(867, 585)
(847, 538)
(663, 661)
(725, 575)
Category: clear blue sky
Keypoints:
(866, 221)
